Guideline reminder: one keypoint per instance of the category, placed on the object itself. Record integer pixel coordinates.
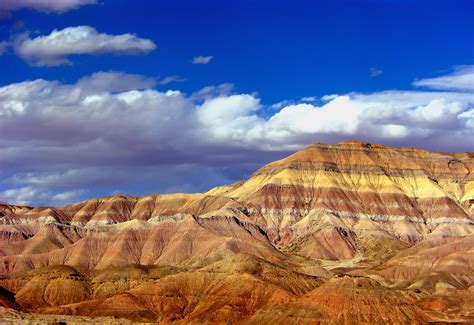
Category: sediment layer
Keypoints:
(383, 225)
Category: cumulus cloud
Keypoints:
(202, 59)
(112, 130)
(55, 48)
(230, 117)
(56, 6)
(461, 79)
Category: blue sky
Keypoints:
(281, 49)
(141, 116)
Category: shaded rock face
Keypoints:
(398, 222)
(346, 300)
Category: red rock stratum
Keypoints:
(346, 233)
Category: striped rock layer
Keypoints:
(346, 233)
(321, 202)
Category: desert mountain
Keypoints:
(313, 237)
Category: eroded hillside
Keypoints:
(353, 232)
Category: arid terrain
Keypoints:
(346, 233)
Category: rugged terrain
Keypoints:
(346, 233)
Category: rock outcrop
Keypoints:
(382, 230)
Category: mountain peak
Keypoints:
(362, 144)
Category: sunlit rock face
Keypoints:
(382, 225)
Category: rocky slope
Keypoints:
(384, 226)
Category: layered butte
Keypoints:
(351, 215)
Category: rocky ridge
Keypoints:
(383, 225)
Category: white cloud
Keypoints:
(327, 98)
(57, 6)
(309, 99)
(202, 59)
(213, 91)
(468, 118)
(24, 195)
(29, 195)
(461, 79)
(224, 109)
(374, 72)
(170, 79)
(82, 177)
(115, 81)
(230, 117)
(110, 110)
(280, 105)
(66, 196)
(306, 118)
(59, 137)
(55, 48)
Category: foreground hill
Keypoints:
(390, 228)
